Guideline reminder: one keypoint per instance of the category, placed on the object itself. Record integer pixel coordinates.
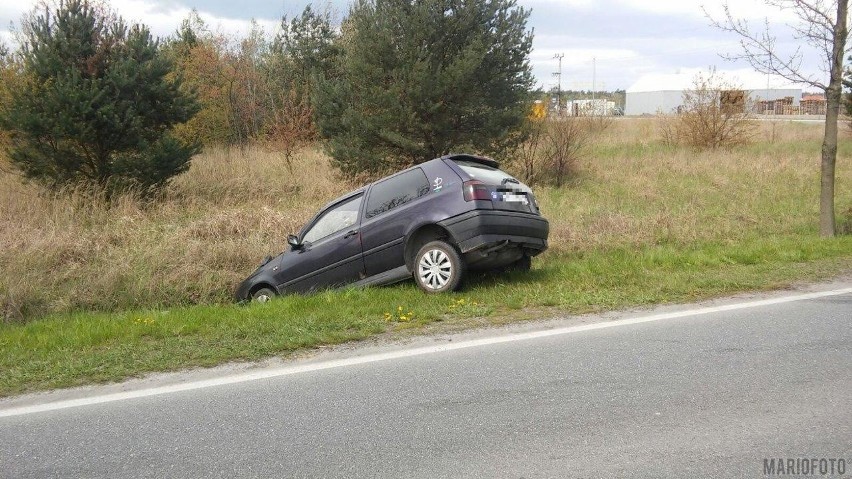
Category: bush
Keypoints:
(714, 114)
(845, 227)
(553, 147)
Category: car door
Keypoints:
(387, 216)
(330, 253)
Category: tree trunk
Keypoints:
(829, 142)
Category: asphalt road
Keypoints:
(709, 395)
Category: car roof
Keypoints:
(482, 160)
(345, 197)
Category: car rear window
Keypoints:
(483, 173)
(398, 190)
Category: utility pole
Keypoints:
(594, 72)
(766, 108)
(558, 75)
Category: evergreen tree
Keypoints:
(419, 78)
(98, 105)
(305, 47)
(8, 81)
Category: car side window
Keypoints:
(388, 194)
(335, 219)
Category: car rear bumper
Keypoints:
(479, 229)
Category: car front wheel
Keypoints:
(262, 295)
(438, 267)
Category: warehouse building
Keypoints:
(663, 93)
(596, 107)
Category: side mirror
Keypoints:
(293, 241)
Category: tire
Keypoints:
(522, 265)
(438, 267)
(263, 295)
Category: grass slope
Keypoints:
(80, 348)
(92, 292)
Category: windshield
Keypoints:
(484, 173)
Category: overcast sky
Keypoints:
(627, 38)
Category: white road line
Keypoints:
(339, 363)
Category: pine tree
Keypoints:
(419, 78)
(8, 81)
(97, 104)
(305, 47)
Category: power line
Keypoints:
(558, 75)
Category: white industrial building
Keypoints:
(596, 107)
(663, 93)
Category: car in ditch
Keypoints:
(434, 222)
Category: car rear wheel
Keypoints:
(438, 267)
(522, 265)
(262, 295)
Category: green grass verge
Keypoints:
(82, 348)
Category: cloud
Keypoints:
(571, 4)
(628, 38)
(163, 18)
(10, 11)
(746, 9)
(684, 79)
(6, 38)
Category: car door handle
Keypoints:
(350, 234)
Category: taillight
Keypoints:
(475, 190)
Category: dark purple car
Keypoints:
(433, 221)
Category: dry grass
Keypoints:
(66, 252)
(635, 190)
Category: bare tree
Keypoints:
(292, 126)
(822, 25)
(525, 157)
(565, 142)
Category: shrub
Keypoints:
(554, 146)
(845, 227)
(715, 114)
(524, 160)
